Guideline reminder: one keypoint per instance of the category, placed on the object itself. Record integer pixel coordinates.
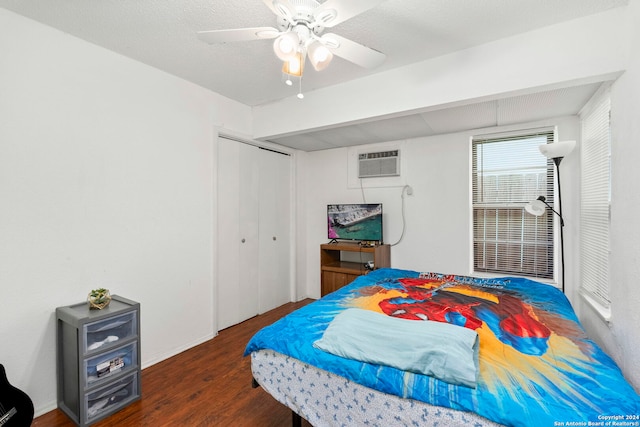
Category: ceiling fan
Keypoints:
(299, 33)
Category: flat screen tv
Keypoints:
(361, 222)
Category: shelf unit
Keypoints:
(338, 267)
(98, 359)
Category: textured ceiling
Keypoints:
(162, 34)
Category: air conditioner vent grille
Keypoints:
(379, 164)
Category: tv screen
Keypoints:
(355, 222)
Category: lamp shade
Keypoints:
(294, 66)
(536, 207)
(557, 149)
(319, 55)
(286, 46)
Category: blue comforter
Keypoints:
(536, 365)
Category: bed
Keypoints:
(399, 347)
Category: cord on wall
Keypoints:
(409, 191)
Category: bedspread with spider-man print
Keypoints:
(536, 365)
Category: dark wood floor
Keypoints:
(208, 385)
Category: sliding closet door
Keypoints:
(238, 232)
(275, 224)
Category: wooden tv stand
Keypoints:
(337, 272)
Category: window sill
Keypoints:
(603, 312)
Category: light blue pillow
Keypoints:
(440, 350)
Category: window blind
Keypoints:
(507, 173)
(595, 201)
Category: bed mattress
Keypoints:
(325, 399)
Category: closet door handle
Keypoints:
(274, 238)
(243, 240)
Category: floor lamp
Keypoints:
(556, 151)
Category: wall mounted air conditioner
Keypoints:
(381, 163)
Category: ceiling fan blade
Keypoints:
(282, 8)
(333, 12)
(352, 51)
(238, 35)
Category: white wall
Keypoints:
(106, 178)
(438, 235)
(621, 337)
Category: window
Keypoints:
(595, 200)
(507, 173)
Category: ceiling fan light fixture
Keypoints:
(319, 55)
(286, 46)
(294, 66)
(298, 32)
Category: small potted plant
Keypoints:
(99, 298)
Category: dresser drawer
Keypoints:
(111, 398)
(116, 361)
(98, 359)
(107, 332)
